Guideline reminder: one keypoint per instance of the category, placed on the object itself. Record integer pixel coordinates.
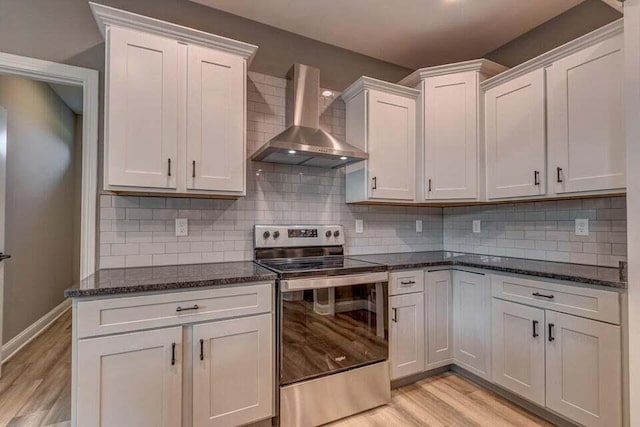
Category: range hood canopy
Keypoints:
(303, 142)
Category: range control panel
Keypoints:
(291, 236)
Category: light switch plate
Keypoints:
(359, 226)
(418, 226)
(582, 227)
(476, 226)
(182, 227)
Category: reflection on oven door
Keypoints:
(332, 329)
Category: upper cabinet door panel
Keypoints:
(142, 101)
(392, 143)
(515, 137)
(450, 136)
(215, 120)
(586, 134)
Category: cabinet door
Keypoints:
(406, 334)
(451, 136)
(141, 106)
(472, 322)
(130, 379)
(391, 146)
(585, 121)
(584, 374)
(215, 120)
(233, 371)
(439, 319)
(515, 137)
(518, 349)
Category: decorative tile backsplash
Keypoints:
(140, 231)
(542, 230)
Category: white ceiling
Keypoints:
(412, 33)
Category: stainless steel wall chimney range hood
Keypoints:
(303, 142)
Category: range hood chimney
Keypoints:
(303, 142)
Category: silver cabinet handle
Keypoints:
(194, 307)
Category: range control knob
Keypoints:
(276, 234)
(266, 234)
(336, 233)
(328, 233)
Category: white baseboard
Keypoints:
(14, 345)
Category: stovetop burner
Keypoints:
(305, 264)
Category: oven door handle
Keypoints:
(332, 281)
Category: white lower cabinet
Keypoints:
(518, 349)
(472, 320)
(439, 319)
(233, 371)
(406, 334)
(132, 379)
(584, 371)
(210, 363)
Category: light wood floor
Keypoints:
(35, 390)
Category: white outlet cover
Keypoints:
(182, 227)
(476, 226)
(418, 226)
(359, 226)
(582, 227)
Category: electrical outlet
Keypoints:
(418, 226)
(582, 227)
(476, 226)
(182, 227)
(359, 226)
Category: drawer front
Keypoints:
(584, 302)
(406, 282)
(116, 315)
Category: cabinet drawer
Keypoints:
(580, 301)
(116, 315)
(406, 282)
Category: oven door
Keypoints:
(332, 324)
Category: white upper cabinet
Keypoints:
(142, 117)
(585, 119)
(215, 120)
(515, 137)
(381, 120)
(175, 107)
(449, 140)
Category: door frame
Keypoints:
(52, 72)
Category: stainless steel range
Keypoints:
(333, 338)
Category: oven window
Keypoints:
(332, 329)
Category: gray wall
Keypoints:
(39, 201)
(65, 31)
(577, 21)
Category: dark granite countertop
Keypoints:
(580, 273)
(165, 278)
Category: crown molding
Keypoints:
(483, 66)
(106, 16)
(546, 59)
(364, 83)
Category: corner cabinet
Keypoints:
(449, 131)
(381, 120)
(438, 319)
(175, 107)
